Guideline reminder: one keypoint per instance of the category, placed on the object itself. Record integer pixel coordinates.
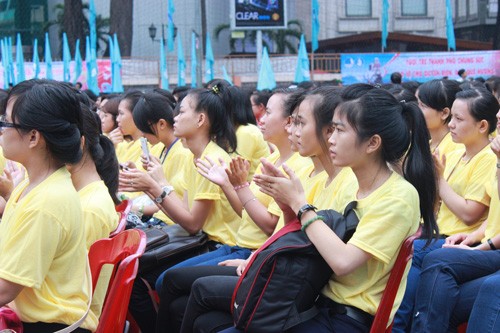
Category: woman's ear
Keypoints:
(445, 114)
(484, 126)
(374, 144)
(202, 119)
(34, 138)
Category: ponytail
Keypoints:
(107, 167)
(418, 167)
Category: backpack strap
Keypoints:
(289, 227)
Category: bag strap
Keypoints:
(289, 227)
(79, 322)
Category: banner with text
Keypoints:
(421, 67)
(104, 78)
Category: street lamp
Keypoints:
(152, 32)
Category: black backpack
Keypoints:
(283, 279)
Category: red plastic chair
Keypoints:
(123, 208)
(384, 309)
(122, 251)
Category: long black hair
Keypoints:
(53, 109)
(101, 150)
(211, 102)
(150, 108)
(403, 131)
(439, 94)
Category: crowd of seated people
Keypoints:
(238, 166)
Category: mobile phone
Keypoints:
(145, 148)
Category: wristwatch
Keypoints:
(304, 209)
(166, 190)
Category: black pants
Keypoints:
(141, 306)
(176, 302)
(48, 328)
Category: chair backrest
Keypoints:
(123, 208)
(122, 251)
(385, 307)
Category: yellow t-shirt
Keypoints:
(99, 220)
(447, 145)
(296, 163)
(467, 179)
(325, 195)
(311, 186)
(42, 247)
(222, 222)
(177, 160)
(493, 224)
(249, 234)
(251, 146)
(386, 218)
(99, 214)
(128, 151)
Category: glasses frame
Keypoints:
(5, 124)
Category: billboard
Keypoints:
(421, 67)
(258, 14)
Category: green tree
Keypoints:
(62, 16)
(283, 39)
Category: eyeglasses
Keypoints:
(4, 124)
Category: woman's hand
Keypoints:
(439, 163)
(212, 171)
(495, 146)
(241, 267)
(13, 174)
(133, 180)
(238, 171)
(273, 182)
(456, 239)
(116, 136)
(459, 246)
(232, 262)
(155, 170)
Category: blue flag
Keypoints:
(48, 58)
(266, 75)
(194, 61)
(36, 60)
(315, 24)
(5, 61)
(302, 70)
(385, 21)
(78, 62)
(91, 63)
(450, 33)
(66, 59)
(92, 27)
(163, 67)
(209, 61)
(226, 76)
(181, 63)
(12, 77)
(20, 59)
(171, 26)
(116, 80)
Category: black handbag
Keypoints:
(170, 244)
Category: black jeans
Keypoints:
(176, 302)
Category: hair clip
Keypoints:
(402, 101)
(216, 89)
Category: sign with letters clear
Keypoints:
(258, 14)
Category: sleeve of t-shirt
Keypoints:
(383, 228)
(481, 174)
(206, 190)
(26, 256)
